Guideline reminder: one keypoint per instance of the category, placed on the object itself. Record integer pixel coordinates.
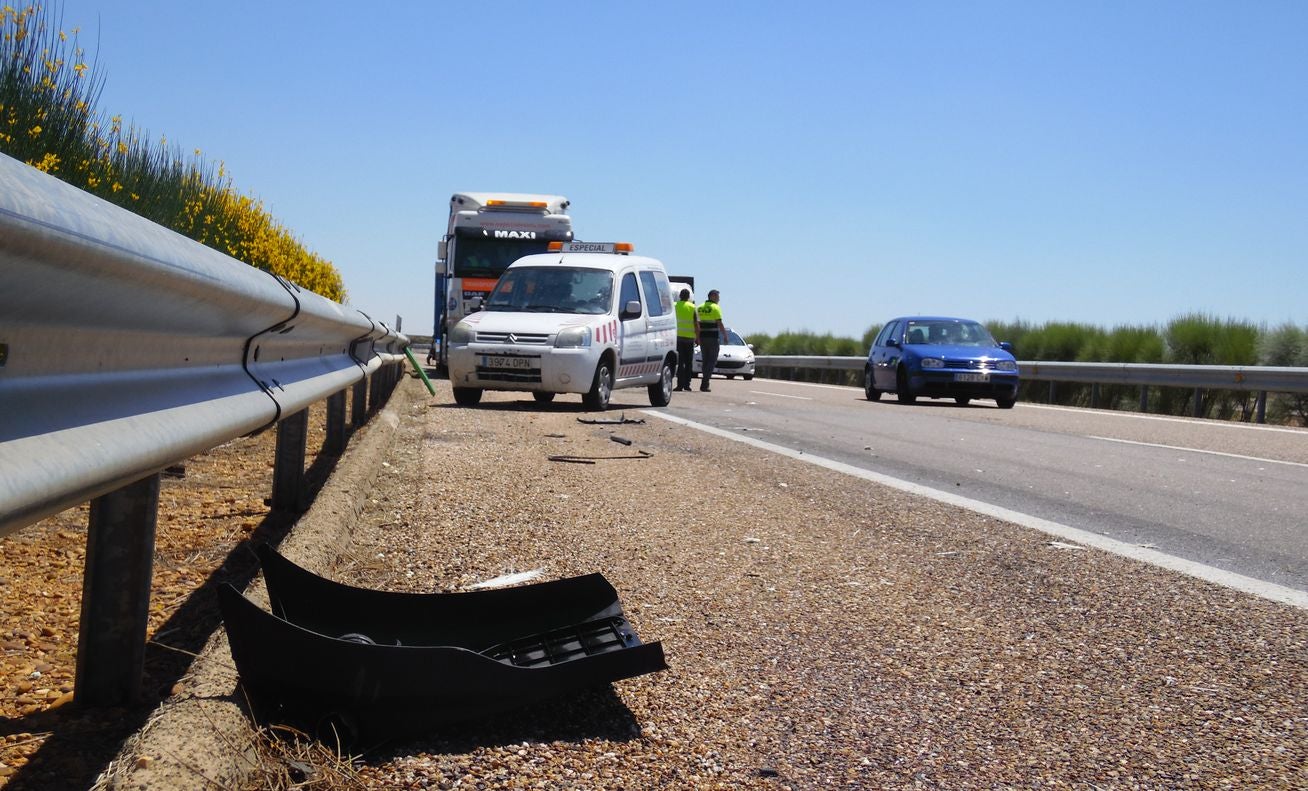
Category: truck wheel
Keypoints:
(601, 388)
(443, 358)
(542, 398)
(660, 393)
(467, 396)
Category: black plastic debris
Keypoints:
(614, 422)
(356, 665)
(640, 454)
(620, 440)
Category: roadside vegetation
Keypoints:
(49, 120)
(1191, 339)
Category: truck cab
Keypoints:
(586, 318)
(487, 231)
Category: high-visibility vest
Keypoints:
(685, 319)
(710, 316)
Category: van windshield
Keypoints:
(553, 289)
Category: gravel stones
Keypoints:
(821, 631)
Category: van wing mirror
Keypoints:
(631, 310)
(477, 303)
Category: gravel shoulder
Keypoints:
(821, 631)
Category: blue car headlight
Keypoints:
(1006, 365)
(932, 362)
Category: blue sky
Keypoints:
(826, 165)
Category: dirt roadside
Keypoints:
(821, 632)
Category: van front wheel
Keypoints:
(601, 388)
(660, 393)
(467, 396)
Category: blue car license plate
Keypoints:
(972, 377)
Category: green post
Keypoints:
(409, 353)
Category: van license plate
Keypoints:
(971, 377)
(510, 362)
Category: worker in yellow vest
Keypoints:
(687, 331)
(712, 334)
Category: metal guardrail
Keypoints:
(1254, 378)
(126, 347)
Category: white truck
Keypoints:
(488, 231)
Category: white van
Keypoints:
(585, 318)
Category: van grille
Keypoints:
(519, 338)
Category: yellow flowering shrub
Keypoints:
(47, 121)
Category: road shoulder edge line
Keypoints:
(1229, 579)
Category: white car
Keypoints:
(735, 358)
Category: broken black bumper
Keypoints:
(350, 663)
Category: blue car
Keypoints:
(940, 357)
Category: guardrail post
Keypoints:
(1053, 389)
(335, 442)
(359, 405)
(1261, 408)
(1198, 403)
(374, 389)
(1094, 395)
(116, 594)
(288, 467)
(1144, 398)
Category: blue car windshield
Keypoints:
(553, 289)
(936, 332)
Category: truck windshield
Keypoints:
(479, 257)
(553, 289)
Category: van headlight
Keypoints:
(572, 337)
(461, 333)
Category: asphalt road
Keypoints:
(1231, 496)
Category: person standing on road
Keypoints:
(687, 330)
(712, 334)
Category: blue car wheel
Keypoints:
(902, 392)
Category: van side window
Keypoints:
(630, 291)
(655, 295)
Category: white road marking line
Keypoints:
(812, 384)
(1109, 412)
(1166, 418)
(1197, 450)
(1267, 590)
(781, 395)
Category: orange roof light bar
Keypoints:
(526, 204)
(620, 248)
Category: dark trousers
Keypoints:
(708, 352)
(685, 361)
